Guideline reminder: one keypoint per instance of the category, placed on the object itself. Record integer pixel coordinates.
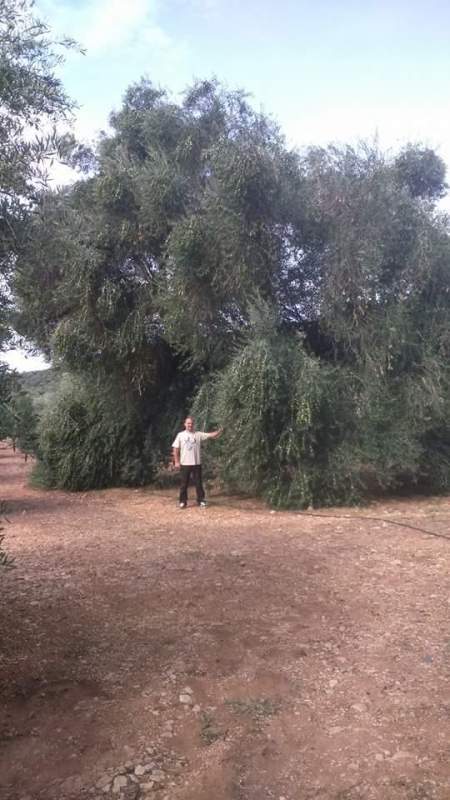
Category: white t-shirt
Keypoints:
(188, 443)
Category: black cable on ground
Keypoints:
(375, 519)
(337, 516)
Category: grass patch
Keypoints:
(257, 709)
(209, 730)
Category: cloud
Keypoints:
(114, 23)
(123, 40)
(102, 25)
(89, 122)
(203, 7)
(23, 362)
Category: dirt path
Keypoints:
(312, 655)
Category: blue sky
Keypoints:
(327, 71)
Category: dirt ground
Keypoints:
(311, 655)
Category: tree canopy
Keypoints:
(32, 102)
(301, 298)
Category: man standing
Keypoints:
(187, 457)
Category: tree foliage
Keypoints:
(186, 217)
(300, 299)
(32, 103)
(422, 172)
(91, 438)
(24, 429)
(18, 419)
(6, 386)
(6, 562)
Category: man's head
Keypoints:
(189, 423)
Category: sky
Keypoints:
(327, 71)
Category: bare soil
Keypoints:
(316, 648)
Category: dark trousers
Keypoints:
(185, 474)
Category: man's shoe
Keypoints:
(183, 505)
(203, 504)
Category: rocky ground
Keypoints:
(230, 653)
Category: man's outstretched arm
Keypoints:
(215, 434)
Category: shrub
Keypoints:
(92, 437)
(300, 431)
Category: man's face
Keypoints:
(189, 424)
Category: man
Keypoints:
(187, 458)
